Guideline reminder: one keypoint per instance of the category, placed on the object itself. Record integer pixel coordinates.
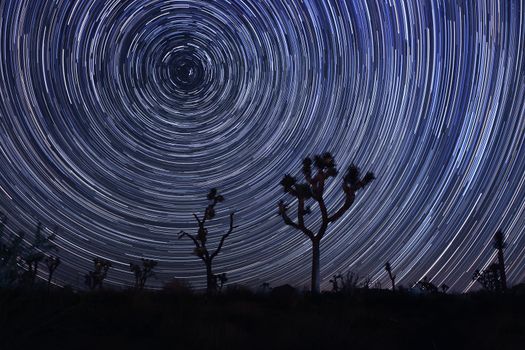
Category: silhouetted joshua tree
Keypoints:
(201, 238)
(366, 283)
(314, 188)
(489, 278)
(220, 280)
(426, 286)
(36, 253)
(52, 263)
(265, 288)
(494, 278)
(499, 245)
(392, 277)
(348, 283)
(10, 252)
(337, 282)
(19, 263)
(95, 278)
(142, 273)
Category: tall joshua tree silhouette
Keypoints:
(52, 263)
(499, 245)
(10, 253)
(392, 277)
(36, 253)
(95, 278)
(313, 188)
(494, 278)
(201, 238)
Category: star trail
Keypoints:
(117, 117)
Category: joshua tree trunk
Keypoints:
(315, 287)
(388, 269)
(499, 244)
(501, 263)
(211, 286)
(392, 279)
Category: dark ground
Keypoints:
(239, 320)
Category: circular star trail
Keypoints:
(118, 116)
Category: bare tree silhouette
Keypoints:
(201, 238)
(314, 188)
(95, 278)
(392, 277)
(142, 273)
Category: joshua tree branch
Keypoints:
(349, 200)
(223, 238)
(322, 207)
(290, 222)
(286, 218)
(185, 234)
(199, 220)
(319, 183)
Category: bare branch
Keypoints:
(197, 218)
(286, 218)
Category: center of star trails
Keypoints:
(187, 73)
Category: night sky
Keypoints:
(117, 117)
